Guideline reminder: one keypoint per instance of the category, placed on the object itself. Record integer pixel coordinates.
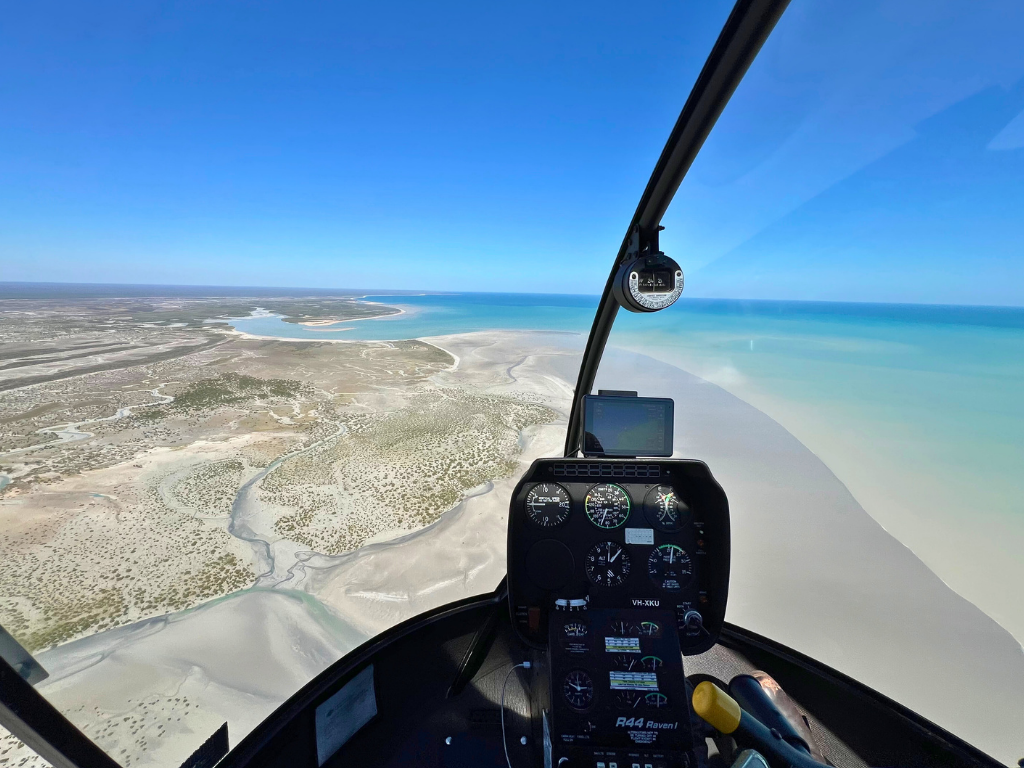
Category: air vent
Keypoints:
(582, 469)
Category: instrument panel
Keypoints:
(618, 693)
(598, 534)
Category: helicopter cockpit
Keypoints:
(632, 554)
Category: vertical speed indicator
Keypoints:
(548, 504)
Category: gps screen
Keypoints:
(627, 426)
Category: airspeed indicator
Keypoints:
(607, 505)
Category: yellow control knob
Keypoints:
(716, 707)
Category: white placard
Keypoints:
(640, 536)
(338, 718)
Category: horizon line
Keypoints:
(237, 291)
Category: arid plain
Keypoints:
(153, 461)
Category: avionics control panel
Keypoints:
(618, 695)
(602, 534)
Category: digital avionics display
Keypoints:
(627, 426)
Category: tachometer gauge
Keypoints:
(649, 628)
(578, 689)
(656, 700)
(669, 567)
(548, 504)
(607, 564)
(665, 510)
(650, 663)
(607, 506)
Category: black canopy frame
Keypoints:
(745, 31)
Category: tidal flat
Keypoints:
(306, 496)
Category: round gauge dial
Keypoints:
(626, 662)
(608, 564)
(627, 699)
(578, 689)
(669, 567)
(656, 700)
(575, 629)
(548, 504)
(665, 510)
(649, 628)
(650, 664)
(622, 628)
(607, 505)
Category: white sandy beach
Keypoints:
(810, 569)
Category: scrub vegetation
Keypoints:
(128, 429)
(398, 470)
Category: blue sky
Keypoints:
(485, 147)
(874, 152)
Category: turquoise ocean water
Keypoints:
(440, 314)
(918, 409)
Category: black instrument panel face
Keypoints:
(618, 694)
(602, 534)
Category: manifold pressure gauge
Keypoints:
(650, 282)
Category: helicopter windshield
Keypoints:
(209, 495)
(847, 355)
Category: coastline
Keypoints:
(399, 310)
(831, 591)
(311, 325)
